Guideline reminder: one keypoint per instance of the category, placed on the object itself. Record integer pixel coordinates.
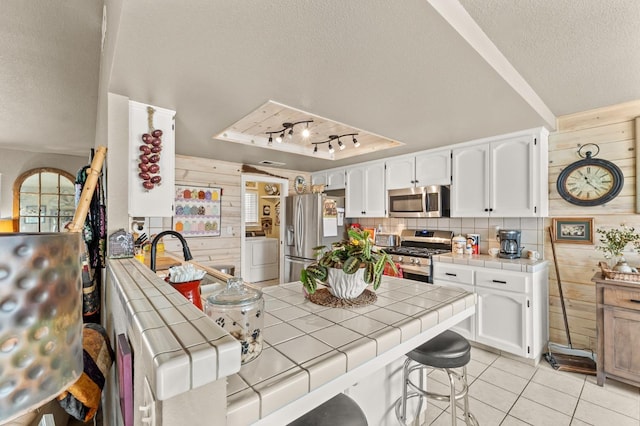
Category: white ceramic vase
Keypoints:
(346, 286)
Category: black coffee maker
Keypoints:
(509, 244)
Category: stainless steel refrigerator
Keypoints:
(311, 220)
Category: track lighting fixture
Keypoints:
(340, 144)
(288, 129)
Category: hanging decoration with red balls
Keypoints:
(150, 157)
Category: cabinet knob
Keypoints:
(486, 210)
(490, 210)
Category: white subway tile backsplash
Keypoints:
(532, 237)
(511, 223)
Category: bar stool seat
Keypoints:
(339, 410)
(447, 351)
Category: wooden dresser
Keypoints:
(618, 326)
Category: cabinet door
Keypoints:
(512, 185)
(503, 321)
(375, 199)
(433, 168)
(335, 179)
(157, 202)
(354, 192)
(319, 178)
(466, 327)
(621, 342)
(400, 173)
(365, 191)
(470, 185)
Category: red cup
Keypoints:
(190, 290)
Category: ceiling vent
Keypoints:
(272, 163)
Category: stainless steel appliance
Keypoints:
(415, 251)
(311, 220)
(421, 201)
(510, 247)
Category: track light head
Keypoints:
(331, 150)
(290, 134)
(341, 145)
(355, 142)
(270, 140)
(305, 132)
(315, 149)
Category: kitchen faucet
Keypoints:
(185, 248)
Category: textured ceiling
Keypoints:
(403, 73)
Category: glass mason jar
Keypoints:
(240, 311)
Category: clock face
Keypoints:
(590, 182)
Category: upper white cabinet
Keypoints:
(157, 201)
(331, 179)
(503, 177)
(430, 168)
(365, 191)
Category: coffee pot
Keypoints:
(510, 247)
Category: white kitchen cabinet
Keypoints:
(494, 306)
(501, 177)
(261, 258)
(158, 201)
(365, 191)
(451, 276)
(512, 306)
(331, 179)
(428, 168)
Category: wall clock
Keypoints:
(590, 181)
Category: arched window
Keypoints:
(43, 200)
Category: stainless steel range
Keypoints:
(415, 251)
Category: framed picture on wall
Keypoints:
(573, 230)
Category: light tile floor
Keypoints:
(507, 392)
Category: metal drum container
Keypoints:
(40, 318)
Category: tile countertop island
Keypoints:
(312, 352)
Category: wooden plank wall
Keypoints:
(613, 130)
(228, 176)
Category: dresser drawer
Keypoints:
(447, 272)
(622, 297)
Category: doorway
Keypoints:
(262, 228)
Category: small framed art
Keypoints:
(573, 230)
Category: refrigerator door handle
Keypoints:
(290, 235)
(299, 235)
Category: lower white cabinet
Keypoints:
(262, 259)
(511, 307)
(503, 320)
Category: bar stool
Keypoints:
(339, 410)
(444, 352)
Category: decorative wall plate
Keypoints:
(300, 185)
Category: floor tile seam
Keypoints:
(521, 395)
(543, 405)
(601, 406)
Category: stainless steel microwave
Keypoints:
(421, 201)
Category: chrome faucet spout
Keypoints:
(185, 248)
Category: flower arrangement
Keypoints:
(349, 255)
(615, 240)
